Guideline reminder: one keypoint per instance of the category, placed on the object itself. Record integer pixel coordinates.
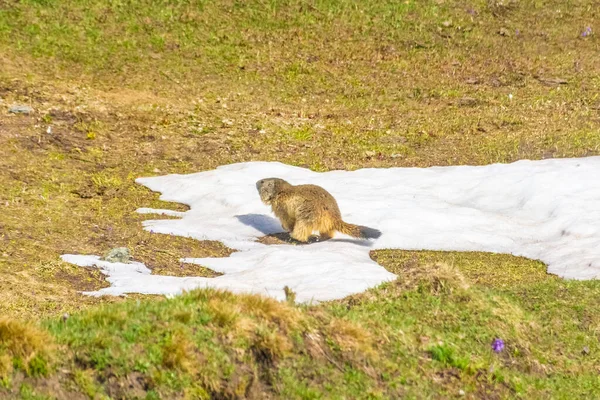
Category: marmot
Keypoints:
(304, 209)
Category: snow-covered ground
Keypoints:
(547, 210)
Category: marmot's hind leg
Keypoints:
(326, 235)
(301, 232)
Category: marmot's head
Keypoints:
(269, 188)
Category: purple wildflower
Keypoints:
(587, 31)
(498, 345)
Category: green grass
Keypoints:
(382, 344)
(143, 88)
(456, 324)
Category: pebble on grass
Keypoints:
(119, 254)
(20, 109)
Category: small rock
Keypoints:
(467, 101)
(548, 154)
(504, 32)
(118, 254)
(495, 82)
(552, 81)
(585, 351)
(65, 316)
(447, 24)
(472, 81)
(461, 392)
(20, 109)
(445, 34)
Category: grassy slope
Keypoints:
(143, 87)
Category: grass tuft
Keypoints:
(24, 347)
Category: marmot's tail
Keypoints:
(358, 231)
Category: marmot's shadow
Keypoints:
(263, 223)
(269, 226)
(284, 238)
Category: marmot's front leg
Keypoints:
(287, 225)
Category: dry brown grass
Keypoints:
(20, 343)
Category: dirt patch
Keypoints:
(185, 269)
(284, 238)
(54, 387)
(165, 258)
(82, 279)
(89, 190)
(20, 90)
(275, 238)
(132, 386)
(63, 116)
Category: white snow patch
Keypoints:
(547, 210)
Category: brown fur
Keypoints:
(304, 209)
